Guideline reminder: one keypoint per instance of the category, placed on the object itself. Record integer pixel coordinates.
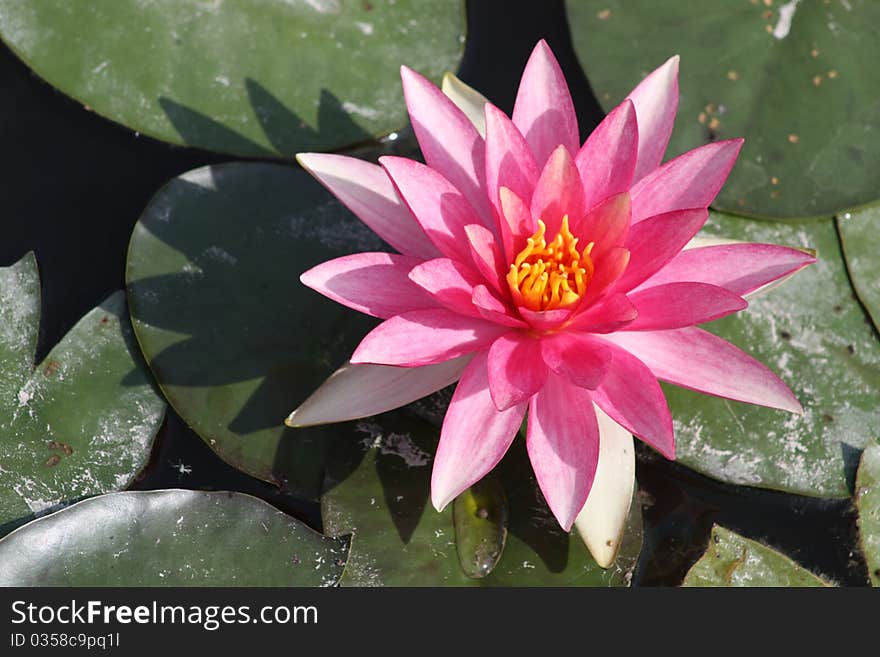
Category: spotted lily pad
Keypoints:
(251, 77)
(813, 333)
(868, 504)
(860, 236)
(234, 339)
(170, 538)
(377, 490)
(733, 560)
(797, 79)
(83, 421)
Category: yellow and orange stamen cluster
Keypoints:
(548, 276)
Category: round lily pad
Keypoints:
(83, 421)
(250, 77)
(860, 236)
(232, 336)
(733, 560)
(813, 333)
(797, 79)
(170, 538)
(378, 490)
(868, 504)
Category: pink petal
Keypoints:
(423, 337)
(657, 240)
(609, 268)
(544, 112)
(563, 446)
(739, 268)
(693, 358)
(373, 283)
(691, 180)
(439, 207)
(449, 141)
(606, 225)
(609, 314)
(516, 369)
(356, 391)
(578, 358)
(509, 160)
(656, 102)
(517, 223)
(447, 282)
(365, 189)
(558, 193)
(676, 305)
(492, 309)
(474, 437)
(607, 159)
(631, 396)
(487, 257)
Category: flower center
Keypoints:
(547, 276)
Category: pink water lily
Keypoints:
(548, 277)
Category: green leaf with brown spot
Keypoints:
(733, 560)
(797, 79)
(83, 421)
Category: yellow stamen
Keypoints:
(549, 276)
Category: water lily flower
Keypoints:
(549, 278)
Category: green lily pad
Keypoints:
(170, 538)
(232, 336)
(251, 77)
(378, 490)
(813, 333)
(868, 504)
(83, 421)
(859, 230)
(797, 79)
(480, 517)
(733, 560)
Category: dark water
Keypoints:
(73, 185)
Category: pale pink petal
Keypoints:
(487, 257)
(365, 189)
(612, 313)
(489, 307)
(602, 521)
(509, 160)
(580, 359)
(447, 282)
(691, 180)
(632, 397)
(558, 193)
(517, 223)
(467, 99)
(373, 283)
(656, 102)
(544, 112)
(516, 369)
(423, 337)
(607, 159)
(356, 391)
(449, 141)
(436, 204)
(676, 305)
(563, 446)
(545, 320)
(657, 240)
(606, 225)
(474, 437)
(693, 358)
(740, 268)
